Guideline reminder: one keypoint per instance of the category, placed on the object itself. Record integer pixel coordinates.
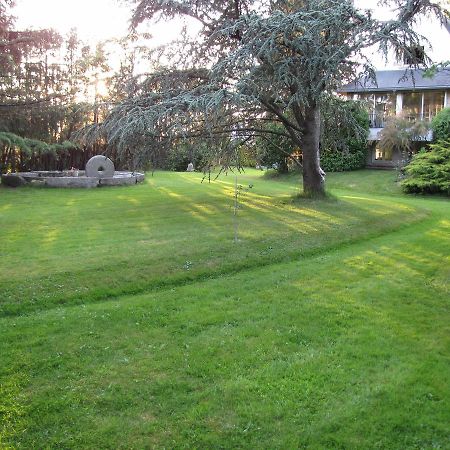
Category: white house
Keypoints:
(399, 90)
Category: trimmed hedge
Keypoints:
(340, 162)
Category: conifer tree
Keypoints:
(253, 61)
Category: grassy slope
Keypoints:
(79, 246)
(344, 348)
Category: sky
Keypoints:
(437, 47)
(94, 19)
(103, 19)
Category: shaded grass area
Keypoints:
(80, 246)
(347, 348)
(376, 182)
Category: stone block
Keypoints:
(71, 182)
(117, 181)
(13, 180)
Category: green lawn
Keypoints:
(131, 318)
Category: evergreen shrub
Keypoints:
(441, 125)
(274, 150)
(343, 140)
(429, 171)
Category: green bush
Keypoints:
(343, 140)
(247, 156)
(273, 150)
(429, 172)
(441, 125)
(180, 156)
(332, 161)
(178, 159)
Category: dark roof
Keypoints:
(399, 80)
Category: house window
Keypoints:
(414, 55)
(380, 106)
(384, 108)
(412, 106)
(383, 155)
(433, 102)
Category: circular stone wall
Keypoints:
(100, 167)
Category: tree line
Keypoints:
(254, 71)
(52, 86)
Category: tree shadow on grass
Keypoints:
(133, 242)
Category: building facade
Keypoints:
(398, 90)
(404, 93)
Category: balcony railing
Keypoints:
(378, 120)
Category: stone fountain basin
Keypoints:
(78, 178)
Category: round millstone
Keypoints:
(100, 167)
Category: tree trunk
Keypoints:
(313, 175)
(283, 166)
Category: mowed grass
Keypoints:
(79, 246)
(325, 326)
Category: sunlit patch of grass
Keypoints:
(12, 406)
(91, 242)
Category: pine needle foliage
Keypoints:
(20, 153)
(254, 61)
(429, 171)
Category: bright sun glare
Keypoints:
(94, 19)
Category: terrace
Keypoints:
(412, 105)
(406, 93)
